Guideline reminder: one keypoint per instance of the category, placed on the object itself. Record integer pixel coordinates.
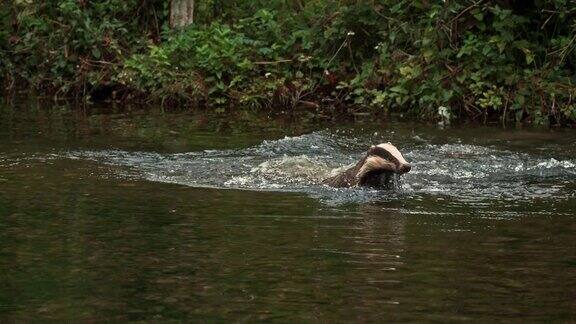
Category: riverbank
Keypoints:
(498, 62)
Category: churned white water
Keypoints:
(300, 163)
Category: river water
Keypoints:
(112, 214)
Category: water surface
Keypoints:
(112, 214)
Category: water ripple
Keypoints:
(462, 172)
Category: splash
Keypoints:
(298, 164)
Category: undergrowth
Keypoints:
(512, 61)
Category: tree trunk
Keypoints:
(181, 13)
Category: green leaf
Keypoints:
(428, 54)
(96, 53)
(520, 99)
(399, 89)
(529, 55)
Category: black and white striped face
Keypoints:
(383, 159)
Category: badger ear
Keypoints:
(372, 148)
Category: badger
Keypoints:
(376, 169)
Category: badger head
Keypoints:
(378, 167)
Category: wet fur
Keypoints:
(347, 178)
(376, 169)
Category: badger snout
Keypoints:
(404, 168)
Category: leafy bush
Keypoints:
(73, 46)
(507, 59)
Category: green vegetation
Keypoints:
(513, 61)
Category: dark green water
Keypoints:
(117, 216)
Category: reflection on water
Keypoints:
(123, 226)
